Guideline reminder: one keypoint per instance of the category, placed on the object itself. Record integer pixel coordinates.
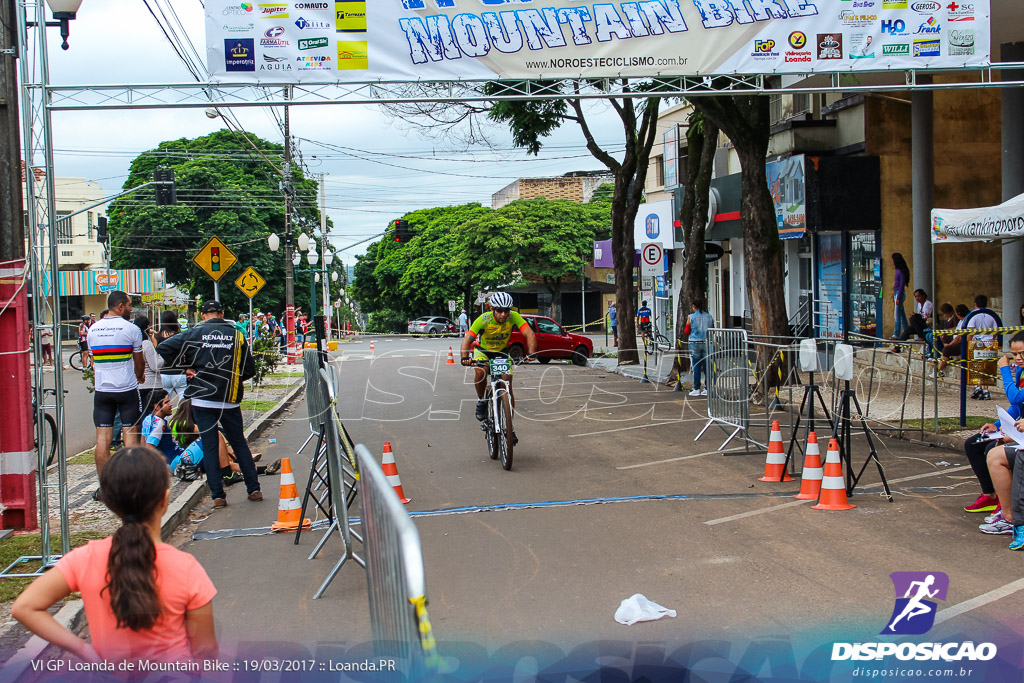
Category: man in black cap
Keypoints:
(216, 357)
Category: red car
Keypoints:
(552, 342)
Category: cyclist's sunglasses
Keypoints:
(501, 310)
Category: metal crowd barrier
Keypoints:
(394, 573)
(728, 373)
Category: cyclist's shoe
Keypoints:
(97, 495)
(984, 503)
(1018, 538)
(515, 439)
(481, 410)
(233, 478)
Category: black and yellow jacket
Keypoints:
(220, 356)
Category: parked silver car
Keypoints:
(434, 326)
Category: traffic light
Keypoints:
(402, 231)
(166, 192)
(101, 229)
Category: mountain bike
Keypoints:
(75, 361)
(497, 428)
(49, 446)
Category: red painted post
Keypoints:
(17, 454)
(289, 324)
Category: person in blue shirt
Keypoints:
(157, 433)
(697, 326)
(613, 322)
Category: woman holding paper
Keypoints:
(981, 448)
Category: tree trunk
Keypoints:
(554, 287)
(702, 141)
(744, 118)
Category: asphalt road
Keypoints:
(738, 559)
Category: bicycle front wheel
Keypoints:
(76, 360)
(505, 431)
(49, 445)
(492, 441)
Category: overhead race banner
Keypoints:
(363, 40)
(986, 223)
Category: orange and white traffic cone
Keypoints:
(810, 477)
(451, 358)
(833, 487)
(775, 463)
(391, 471)
(289, 509)
(371, 345)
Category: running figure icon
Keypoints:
(915, 607)
(916, 595)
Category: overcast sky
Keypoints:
(119, 42)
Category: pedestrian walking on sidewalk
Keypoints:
(144, 600)
(217, 358)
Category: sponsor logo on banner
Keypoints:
(269, 59)
(798, 56)
(830, 46)
(273, 11)
(240, 28)
(861, 46)
(311, 5)
(925, 6)
(850, 18)
(797, 40)
(237, 10)
(240, 54)
(764, 49)
(866, 4)
(894, 27)
(896, 49)
(313, 43)
(913, 614)
(353, 55)
(275, 64)
(350, 16)
(961, 41)
(305, 24)
(314, 63)
(960, 12)
(931, 47)
(271, 37)
(930, 27)
(894, 4)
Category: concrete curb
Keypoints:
(72, 614)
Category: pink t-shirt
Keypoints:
(181, 583)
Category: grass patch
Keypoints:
(286, 374)
(86, 458)
(256, 405)
(950, 424)
(30, 544)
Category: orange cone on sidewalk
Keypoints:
(451, 358)
(391, 472)
(833, 488)
(775, 463)
(289, 509)
(810, 477)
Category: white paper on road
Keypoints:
(1007, 426)
(638, 608)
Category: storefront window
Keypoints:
(865, 283)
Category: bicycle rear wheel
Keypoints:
(505, 431)
(49, 446)
(76, 360)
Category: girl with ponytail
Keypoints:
(144, 599)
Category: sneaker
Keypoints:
(219, 503)
(976, 393)
(984, 395)
(998, 514)
(703, 392)
(256, 496)
(936, 374)
(999, 527)
(984, 503)
(481, 410)
(233, 478)
(695, 392)
(96, 495)
(274, 467)
(1018, 538)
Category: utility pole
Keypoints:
(289, 269)
(17, 457)
(326, 277)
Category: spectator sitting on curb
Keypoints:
(144, 599)
(921, 321)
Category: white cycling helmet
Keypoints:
(501, 300)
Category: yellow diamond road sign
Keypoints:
(215, 258)
(250, 282)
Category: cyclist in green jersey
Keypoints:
(488, 336)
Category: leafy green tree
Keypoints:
(225, 188)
